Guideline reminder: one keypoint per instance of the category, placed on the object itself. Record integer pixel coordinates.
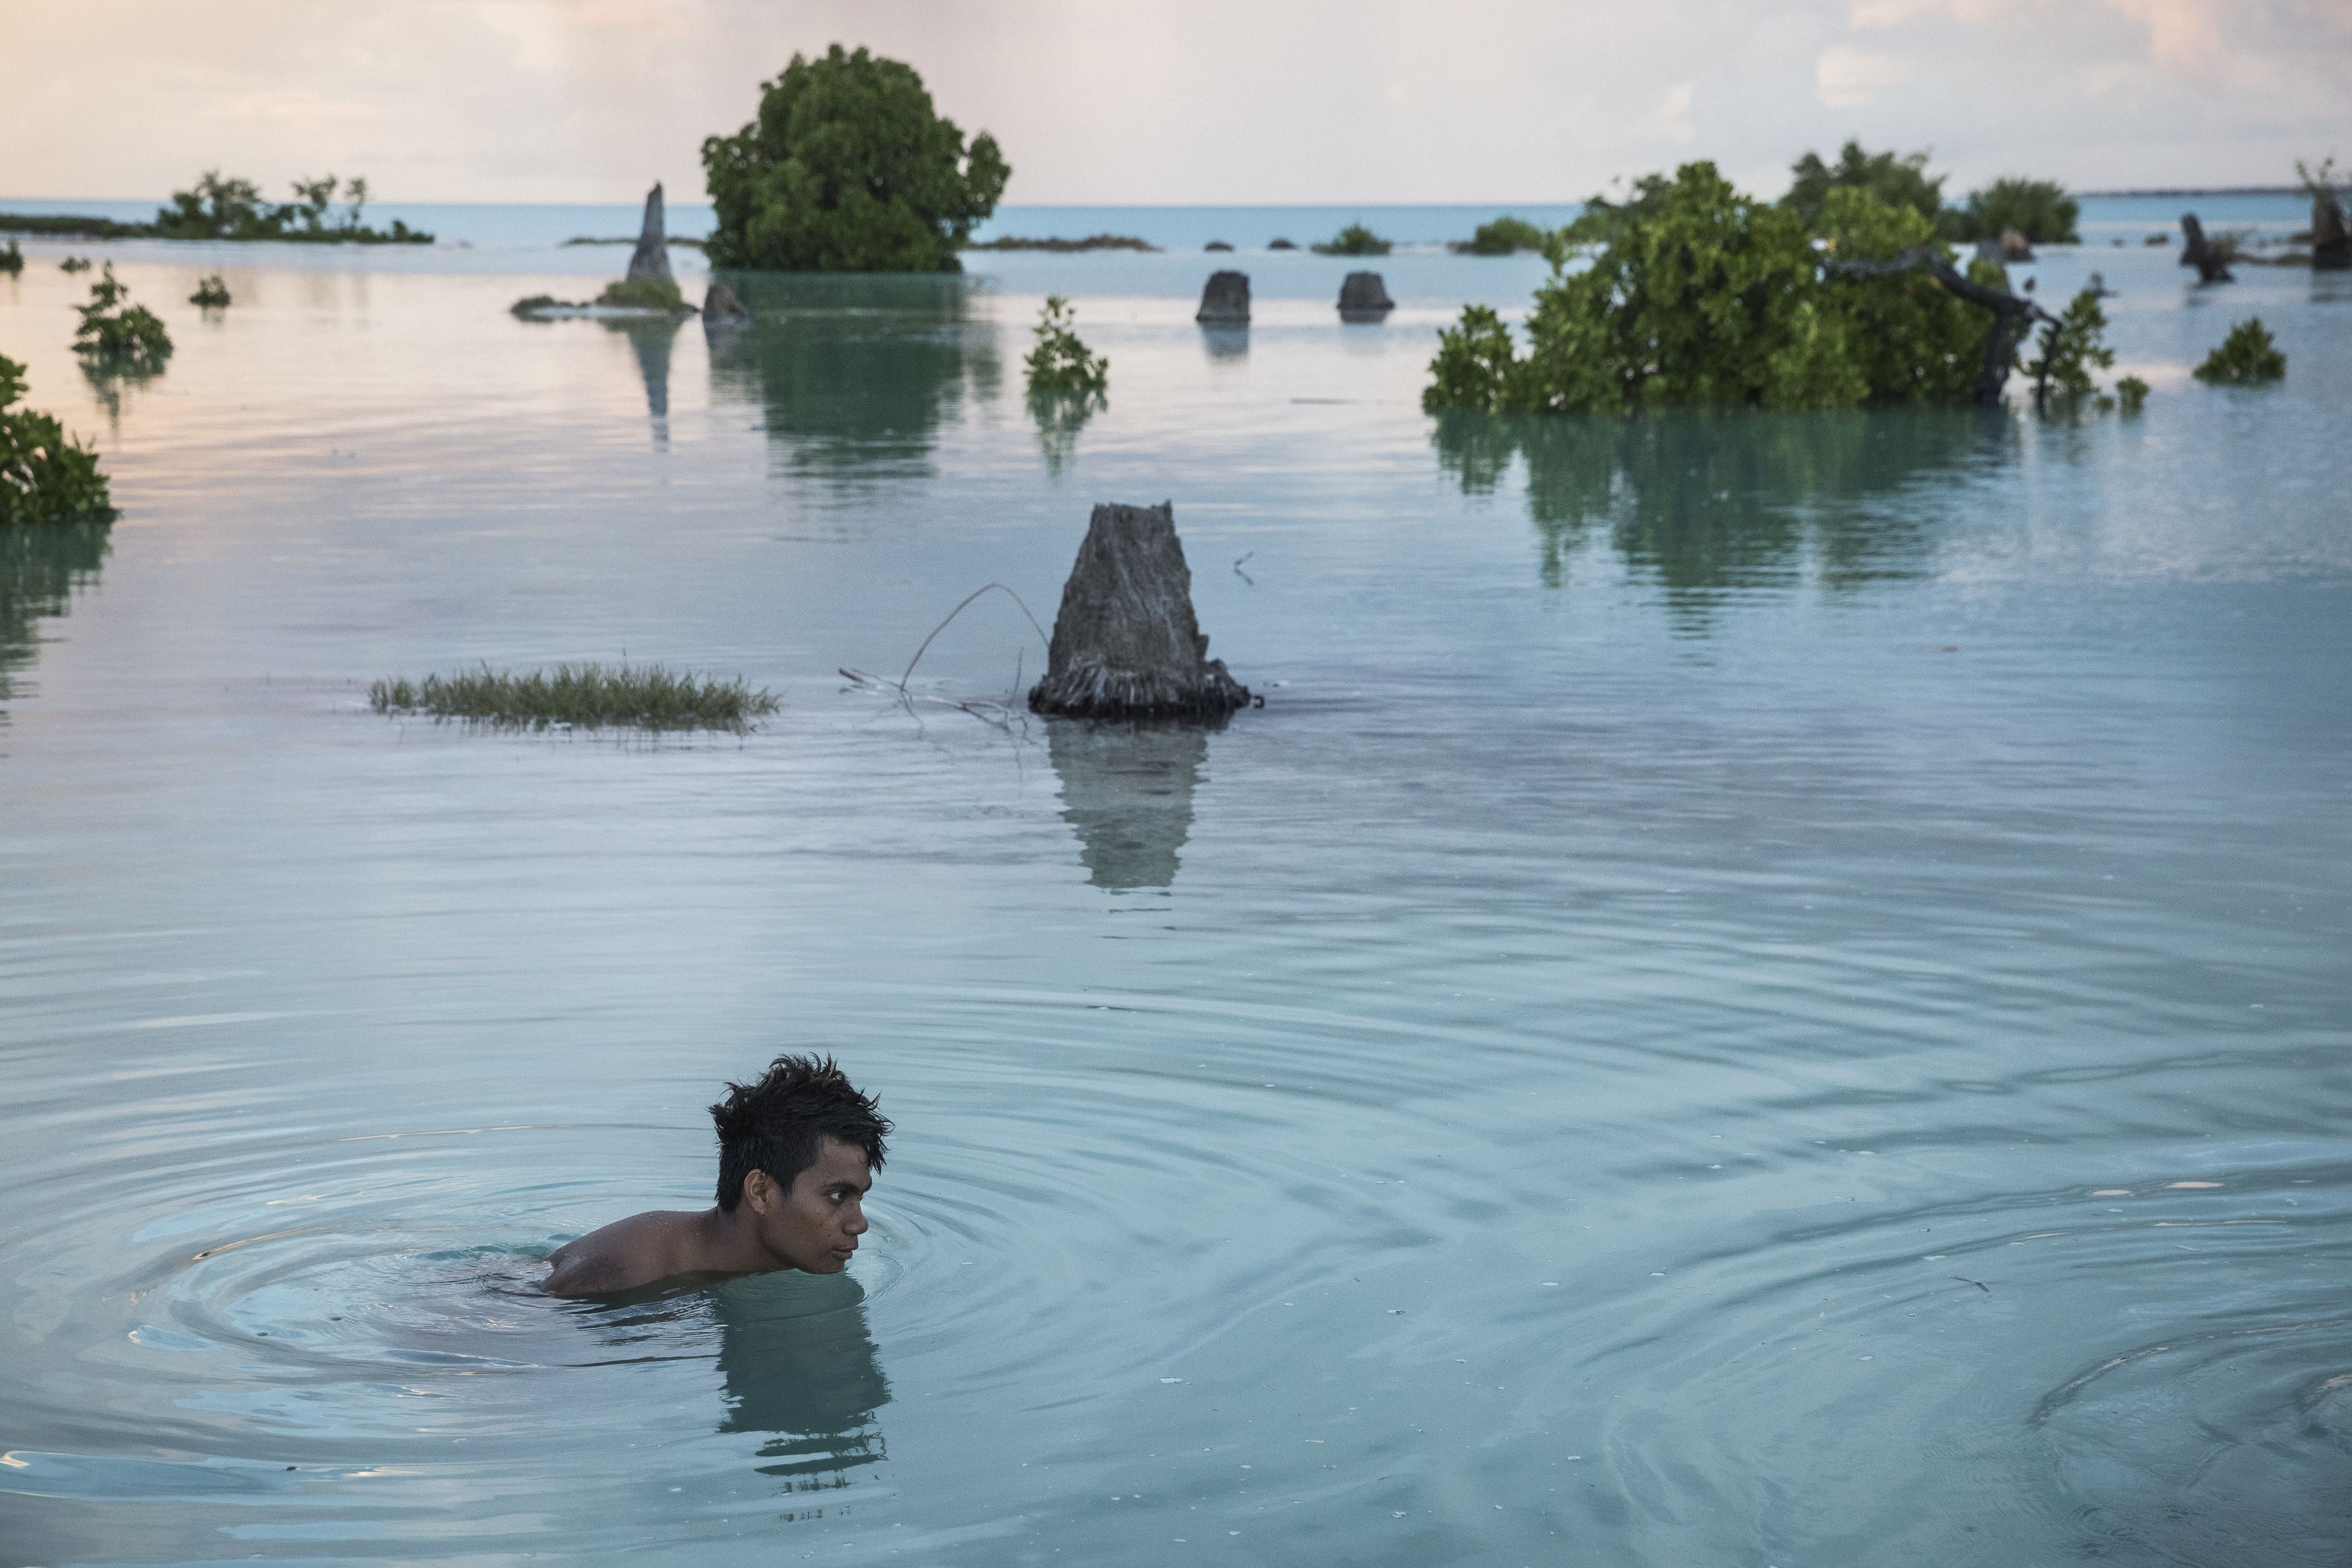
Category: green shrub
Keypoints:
(118, 334)
(12, 260)
(588, 696)
(1503, 236)
(642, 294)
(232, 209)
(2067, 349)
(2246, 356)
(1895, 181)
(74, 263)
(1602, 218)
(1353, 240)
(2132, 392)
(848, 169)
(1060, 362)
(45, 476)
(212, 294)
(2041, 210)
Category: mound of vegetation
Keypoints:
(1353, 240)
(212, 294)
(1503, 236)
(1066, 246)
(217, 208)
(1895, 180)
(2248, 355)
(74, 263)
(12, 260)
(45, 476)
(642, 294)
(588, 696)
(1060, 362)
(116, 334)
(848, 169)
(2041, 210)
(1703, 297)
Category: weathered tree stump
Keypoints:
(1364, 297)
(2015, 246)
(1126, 645)
(2331, 247)
(2201, 252)
(1224, 302)
(651, 259)
(722, 306)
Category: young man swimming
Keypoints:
(797, 1154)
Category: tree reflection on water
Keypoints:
(41, 565)
(1708, 506)
(854, 375)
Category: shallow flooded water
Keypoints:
(1766, 992)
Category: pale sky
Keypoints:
(1176, 101)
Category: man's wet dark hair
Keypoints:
(777, 1123)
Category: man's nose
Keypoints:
(856, 1226)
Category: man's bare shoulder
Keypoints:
(626, 1254)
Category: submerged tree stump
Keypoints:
(651, 259)
(2331, 247)
(1126, 645)
(1364, 297)
(2200, 253)
(1224, 302)
(722, 306)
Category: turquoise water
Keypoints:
(1761, 991)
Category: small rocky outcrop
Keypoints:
(722, 307)
(1364, 297)
(1126, 642)
(1225, 300)
(2015, 246)
(1280, 244)
(650, 261)
(2331, 247)
(1216, 244)
(2202, 254)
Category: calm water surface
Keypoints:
(1767, 991)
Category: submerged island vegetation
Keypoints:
(1353, 240)
(1066, 246)
(117, 335)
(228, 208)
(12, 260)
(46, 475)
(2248, 356)
(849, 168)
(212, 294)
(1060, 362)
(588, 696)
(1702, 296)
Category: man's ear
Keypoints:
(759, 1190)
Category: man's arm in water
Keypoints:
(625, 1254)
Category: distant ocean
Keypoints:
(528, 226)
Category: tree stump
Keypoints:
(1224, 302)
(651, 259)
(1364, 297)
(722, 306)
(1126, 643)
(2015, 246)
(2331, 247)
(2200, 253)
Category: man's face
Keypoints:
(815, 1225)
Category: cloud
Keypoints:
(1848, 77)
(1674, 114)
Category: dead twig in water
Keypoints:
(942, 626)
(1979, 1284)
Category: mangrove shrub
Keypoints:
(1353, 240)
(45, 476)
(848, 169)
(231, 208)
(2246, 356)
(1060, 362)
(119, 334)
(2041, 210)
(1896, 181)
(12, 260)
(1503, 236)
(212, 294)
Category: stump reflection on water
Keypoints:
(1127, 788)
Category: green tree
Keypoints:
(2041, 210)
(1897, 181)
(2248, 355)
(1912, 339)
(45, 476)
(848, 169)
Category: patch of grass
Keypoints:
(588, 696)
(643, 294)
(2246, 356)
(1353, 240)
(212, 294)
